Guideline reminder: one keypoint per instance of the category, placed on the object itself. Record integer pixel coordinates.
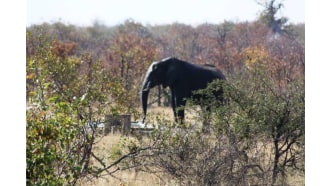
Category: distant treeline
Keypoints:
(127, 49)
(217, 44)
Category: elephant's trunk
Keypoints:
(144, 98)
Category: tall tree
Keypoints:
(268, 16)
(131, 51)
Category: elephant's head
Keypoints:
(159, 73)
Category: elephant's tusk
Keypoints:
(147, 87)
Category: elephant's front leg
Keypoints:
(178, 107)
(173, 104)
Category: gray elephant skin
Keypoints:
(183, 78)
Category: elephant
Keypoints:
(183, 78)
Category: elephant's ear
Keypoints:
(171, 75)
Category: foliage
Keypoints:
(131, 51)
(65, 94)
(275, 101)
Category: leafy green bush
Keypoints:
(64, 95)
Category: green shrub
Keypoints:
(64, 94)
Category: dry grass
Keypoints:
(134, 178)
(166, 114)
(126, 177)
(103, 148)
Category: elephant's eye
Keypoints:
(154, 67)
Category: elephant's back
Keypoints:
(196, 77)
(205, 72)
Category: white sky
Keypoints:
(111, 12)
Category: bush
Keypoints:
(65, 94)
